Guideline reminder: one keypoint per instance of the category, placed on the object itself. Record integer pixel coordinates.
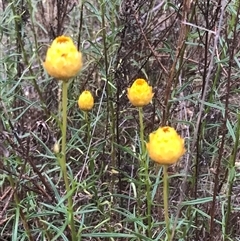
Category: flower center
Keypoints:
(165, 129)
(62, 40)
(140, 82)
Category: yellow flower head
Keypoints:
(165, 146)
(86, 101)
(140, 93)
(63, 60)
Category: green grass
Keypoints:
(189, 55)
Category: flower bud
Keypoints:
(165, 146)
(140, 93)
(86, 101)
(63, 60)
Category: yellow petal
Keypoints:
(165, 146)
(140, 93)
(86, 101)
(63, 60)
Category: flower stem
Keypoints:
(149, 201)
(88, 137)
(140, 110)
(63, 159)
(144, 165)
(165, 200)
(88, 126)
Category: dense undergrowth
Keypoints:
(189, 53)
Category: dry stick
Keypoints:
(9, 198)
(202, 101)
(149, 45)
(201, 109)
(180, 47)
(228, 211)
(201, 126)
(80, 25)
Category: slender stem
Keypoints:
(63, 159)
(140, 110)
(149, 201)
(88, 126)
(88, 137)
(144, 166)
(64, 132)
(165, 200)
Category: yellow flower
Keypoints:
(63, 60)
(165, 146)
(86, 101)
(140, 93)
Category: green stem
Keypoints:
(144, 166)
(88, 126)
(165, 200)
(87, 122)
(140, 110)
(149, 201)
(63, 159)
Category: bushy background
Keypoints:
(188, 51)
